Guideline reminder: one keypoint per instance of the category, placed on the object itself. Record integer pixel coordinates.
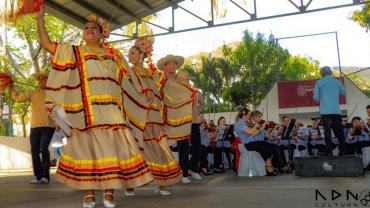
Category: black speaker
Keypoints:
(336, 166)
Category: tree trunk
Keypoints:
(34, 54)
(24, 125)
(24, 114)
(10, 127)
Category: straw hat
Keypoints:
(162, 62)
(40, 75)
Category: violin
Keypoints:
(212, 128)
(251, 124)
(269, 125)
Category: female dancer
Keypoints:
(101, 153)
(149, 130)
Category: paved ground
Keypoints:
(218, 191)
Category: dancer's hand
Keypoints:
(43, 35)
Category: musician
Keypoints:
(251, 132)
(271, 134)
(301, 134)
(310, 144)
(212, 123)
(223, 145)
(349, 147)
(326, 92)
(212, 128)
(285, 141)
(205, 140)
(272, 138)
(317, 141)
(360, 133)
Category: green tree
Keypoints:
(362, 17)
(207, 78)
(260, 61)
(23, 54)
(300, 68)
(245, 72)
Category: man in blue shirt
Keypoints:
(326, 92)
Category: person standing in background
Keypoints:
(42, 129)
(198, 106)
(178, 101)
(205, 140)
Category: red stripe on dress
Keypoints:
(95, 170)
(83, 87)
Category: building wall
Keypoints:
(15, 153)
(355, 99)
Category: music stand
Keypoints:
(287, 135)
(228, 135)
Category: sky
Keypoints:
(354, 42)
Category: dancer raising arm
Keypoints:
(101, 153)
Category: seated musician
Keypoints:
(223, 146)
(359, 133)
(285, 142)
(272, 138)
(302, 135)
(251, 132)
(316, 136)
(311, 145)
(352, 137)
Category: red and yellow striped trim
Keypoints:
(136, 122)
(104, 127)
(179, 122)
(105, 169)
(165, 172)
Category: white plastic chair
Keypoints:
(251, 163)
(315, 152)
(303, 153)
(366, 156)
(336, 151)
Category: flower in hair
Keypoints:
(145, 45)
(102, 23)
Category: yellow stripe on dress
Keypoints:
(133, 159)
(176, 122)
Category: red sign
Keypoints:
(295, 94)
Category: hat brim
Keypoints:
(178, 59)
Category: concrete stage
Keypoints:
(217, 191)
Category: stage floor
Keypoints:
(217, 191)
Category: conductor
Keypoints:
(326, 92)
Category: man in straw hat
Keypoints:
(169, 64)
(193, 102)
(326, 92)
(42, 129)
(195, 138)
(177, 99)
